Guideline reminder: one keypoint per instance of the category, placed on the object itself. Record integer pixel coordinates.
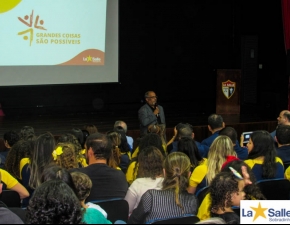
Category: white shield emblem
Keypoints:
(228, 88)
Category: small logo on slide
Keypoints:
(92, 59)
(28, 21)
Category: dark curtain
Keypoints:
(286, 23)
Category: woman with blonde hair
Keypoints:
(172, 200)
(221, 147)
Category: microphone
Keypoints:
(155, 105)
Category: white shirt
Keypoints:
(138, 188)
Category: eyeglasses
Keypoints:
(152, 97)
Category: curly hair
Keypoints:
(68, 159)
(177, 166)
(70, 138)
(150, 162)
(223, 185)
(21, 149)
(252, 191)
(264, 146)
(54, 202)
(83, 184)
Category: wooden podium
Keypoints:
(228, 91)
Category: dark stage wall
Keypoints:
(175, 49)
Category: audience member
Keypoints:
(9, 138)
(150, 113)
(215, 124)
(185, 130)
(41, 157)
(161, 132)
(80, 153)
(199, 165)
(283, 119)
(283, 142)
(107, 182)
(124, 150)
(122, 124)
(56, 172)
(79, 135)
(54, 202)
(262, 158)
(226, 190)
(91, 128)
(115, 158)
(242, 152)
(221, 147)
(6, 215)
(173, 199)
(65, 156)
(27, 133)
(150, 175)
(18, 157)
(92, 214)
(8, 182)
(150, 139)
(252, 191)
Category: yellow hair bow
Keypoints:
(57, 152)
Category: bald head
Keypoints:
(284, 117)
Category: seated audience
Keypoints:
(226, 190)
(6, 215)
(65, 156)
(54, 202)
(262, 158)
(8, 182)
(80, 152)
(41, 156)
(173, 200)
(115, 158)
(283, 142)
(107, 182)
(27, 133)
(121, 123)
(9, 138)
(124, 149)
(187, 145)
(150, 175)
(18, 156)
(150, 139)
(242, 152)
(92, 214)
(251, 189)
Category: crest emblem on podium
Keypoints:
(228, 88)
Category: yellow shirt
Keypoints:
(23, 162)
(130, 175)
(287, 173)
(8, 179)
(198, 174)
(203, 210)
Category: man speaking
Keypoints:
(150, 113)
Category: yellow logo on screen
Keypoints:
(31, 23)
(6, 5)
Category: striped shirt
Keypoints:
(160, 204)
